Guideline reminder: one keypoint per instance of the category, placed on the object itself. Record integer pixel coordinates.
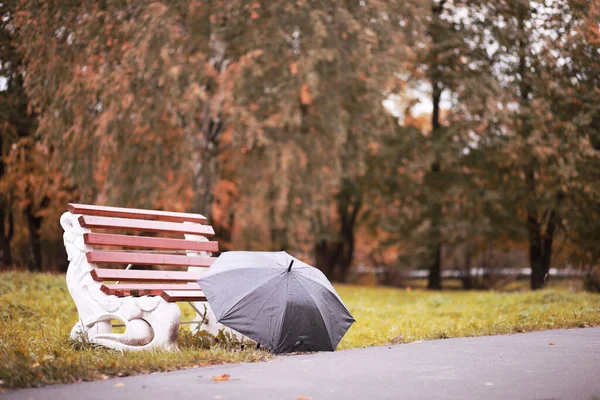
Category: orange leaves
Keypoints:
(254, 14)
(305, 97)
(373, 147)
(220, 378)
(293, 68)
(126, 101)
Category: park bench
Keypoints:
(104, 243)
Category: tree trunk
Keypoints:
(224, 232)
(205, 179)
(540, 246)
(466, 278)
(347, 217)
(540, 240)
(6, 219)
(435, 268)
(6, 234)
(206, 144)
(347, 253)
(325, 255)
(34, 223)
(538, 271)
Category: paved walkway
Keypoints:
(560, 364)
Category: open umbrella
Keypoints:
(277, 300)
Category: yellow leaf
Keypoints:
(218, 378)
(119, 384)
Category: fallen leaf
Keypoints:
(223, 377)
(397, 339)
(550, 344)
(254, 15)
(119, 384)
(304, 398)
(35, 365)
(103, 377)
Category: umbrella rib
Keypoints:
(244, 297)
(317, 306)
(287, 283)
(325, 287)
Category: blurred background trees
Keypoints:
(434, 135)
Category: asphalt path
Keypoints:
(558, 364)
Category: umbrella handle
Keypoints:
(290, 267)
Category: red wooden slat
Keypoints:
(145, 289)
(180, 295)
(121, 257)
(100, 275)
(108, 239)
(122, 212)
(90, 221)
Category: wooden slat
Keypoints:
(90, 221)
(181, 295)
(146, 289)
(122, 212)
(108, 239)
(121, 257)
(100, 275)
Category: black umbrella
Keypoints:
(276, 300)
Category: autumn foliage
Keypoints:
(422, 134)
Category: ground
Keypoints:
(37, 313)
(558, 364)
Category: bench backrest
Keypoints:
(118, 237)
(149, 250)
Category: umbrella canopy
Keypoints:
(277, 300)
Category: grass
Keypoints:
(383, 314)
(37, 313)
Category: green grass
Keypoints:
(37, 313)
(385, 313)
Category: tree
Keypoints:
(17, 125)
(127, 90)
(425, 167)
(310, 105)
(544, 153)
